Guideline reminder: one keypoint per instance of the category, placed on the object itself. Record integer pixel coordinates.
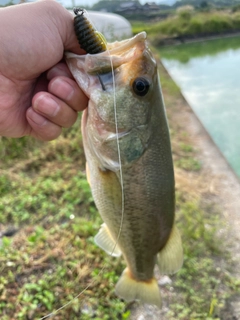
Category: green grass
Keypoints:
(53, 258)
(47, 268)
(189, 24)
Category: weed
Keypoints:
(188, 163)
(187, 23)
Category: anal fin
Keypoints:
(170, 258)
(105, 241)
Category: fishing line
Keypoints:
(117, 136)
(122, 192)
(119, 153)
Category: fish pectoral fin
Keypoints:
(105, 241)
(170, 258)
(145, 291)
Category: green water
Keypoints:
(208, 74)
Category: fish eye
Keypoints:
(141, 86)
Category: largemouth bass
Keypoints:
(129, 163)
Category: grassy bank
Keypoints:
(190, 24)
(44, 196)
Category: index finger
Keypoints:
(68, 90)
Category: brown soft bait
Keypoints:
(89, 39)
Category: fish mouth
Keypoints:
(99, 69)
(117, 54)
(113, 57)
(126, 44)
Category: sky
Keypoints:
(69, 3)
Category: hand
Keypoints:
(38, 95)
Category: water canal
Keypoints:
(208, 74)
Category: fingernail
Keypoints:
(63, 89)
(37, 118)
(46, 105)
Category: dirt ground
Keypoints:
(224, 186)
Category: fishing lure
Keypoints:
(89, 39)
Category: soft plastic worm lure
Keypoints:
(89, 39)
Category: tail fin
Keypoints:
(146, 291)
